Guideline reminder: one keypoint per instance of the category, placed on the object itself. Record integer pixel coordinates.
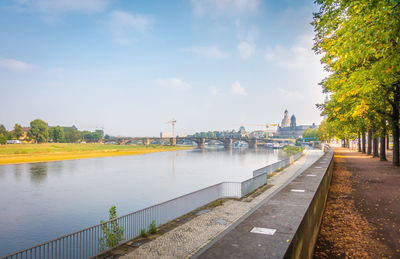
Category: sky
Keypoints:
(131, 66)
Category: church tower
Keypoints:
(293, 122)
(285, 121)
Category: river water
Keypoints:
(42, 201)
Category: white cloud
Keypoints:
(15, 65)
(299, 56)
(211, 52)
(51, 10)
(172, 83)
(237, 89)
(246, 49)
(128, 28)
(218, 7)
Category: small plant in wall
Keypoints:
(113, 233)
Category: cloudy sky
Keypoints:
(131, 66)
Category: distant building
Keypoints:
(285, 121)
(289, 129)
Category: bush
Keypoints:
(153, 227)
(291, 150)
(113, 233)
(143, 233)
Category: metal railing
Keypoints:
(103, 237)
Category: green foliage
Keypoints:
(143, 233)
(3, 139)
(310, 133)
(360, 41)
(292, 150)
(153, 227)
(38, 131)
(95, 136)
(4, 132)
(18, 131)
(71, 134)
(56, 134)
(113, 233)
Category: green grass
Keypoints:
(29, 153)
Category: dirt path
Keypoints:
(362, 215)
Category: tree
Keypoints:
(38, 131)
(56, 134)
(360, 43)
(3, 139)
(18, 131)
(310, 133)
(71, 135)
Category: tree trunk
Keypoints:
(369, 151)
(375, 143)
(395, 118)
(363, 142)
(387, 141)
(382, 154)
(359, 142)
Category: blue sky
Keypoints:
(130, 66)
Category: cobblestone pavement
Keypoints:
(185, 240)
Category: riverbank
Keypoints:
(195, 231)
(33, 153)
(362, 214)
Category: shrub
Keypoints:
(143, 233)
(153, 227)
(113, 233)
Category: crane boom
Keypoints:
(172, 122)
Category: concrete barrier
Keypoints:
(303, 243)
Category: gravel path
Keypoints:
(184, 240)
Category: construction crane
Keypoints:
(266, 125)
(173, 122)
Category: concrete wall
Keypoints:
(303, 242)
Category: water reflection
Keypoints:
(38, 172)
(66, 196)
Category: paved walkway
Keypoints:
(362, 214)
(185, 240)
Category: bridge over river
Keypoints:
(227, 142)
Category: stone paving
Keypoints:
(187, 239)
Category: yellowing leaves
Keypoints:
(360, 110)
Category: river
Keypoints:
(42, 201)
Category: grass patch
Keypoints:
(30, 153)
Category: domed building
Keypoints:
(289, 128)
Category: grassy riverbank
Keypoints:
(31, 153)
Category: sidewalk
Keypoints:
(185, 240)
(362, 215)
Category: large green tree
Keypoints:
(38, 131)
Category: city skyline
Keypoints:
(131, 67)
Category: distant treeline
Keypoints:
(40, 132)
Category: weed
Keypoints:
(143, 233)
(153, 227)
